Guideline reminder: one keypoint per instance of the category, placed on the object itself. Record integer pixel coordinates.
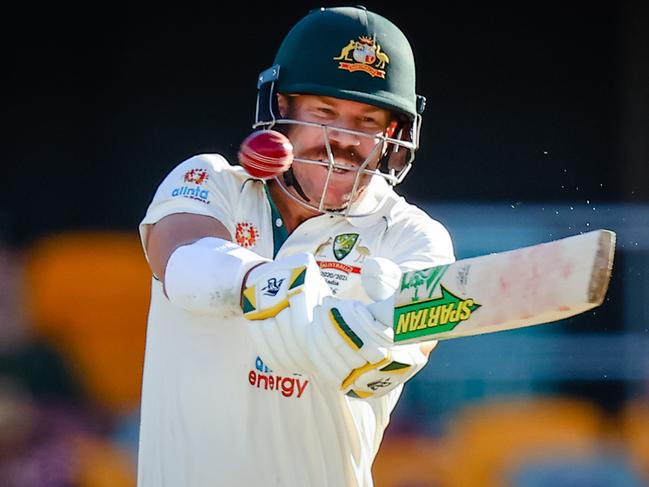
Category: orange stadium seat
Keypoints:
(88, 293)
(406, 461)
(101, 464)
(487, 442)
(634, 429)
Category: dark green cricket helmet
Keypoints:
(353, 54)
(350, 53)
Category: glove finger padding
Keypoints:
(270, 287)
(374, 380)
(352, 323)
(279, 298)
(295, 339)
(329, 360)
(345, 337)
(327, 366)
(282, 342)
(267, 343)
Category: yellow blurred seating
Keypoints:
(405, 461)
(634, 429)
(101, 464)
(487, 442)
(88, 294)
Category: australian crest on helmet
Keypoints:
(364, 55)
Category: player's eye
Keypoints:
(370, 125)
(325, 112)
(369, 122)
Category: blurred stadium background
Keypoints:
(537, 128)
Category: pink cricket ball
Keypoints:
(265, 154)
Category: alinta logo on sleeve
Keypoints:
(194, 193)
(193, 180)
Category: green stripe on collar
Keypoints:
(280, 234)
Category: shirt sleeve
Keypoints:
(202, 185)
(416, 241)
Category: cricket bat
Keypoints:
(501, 291)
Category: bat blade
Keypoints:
(522, 287)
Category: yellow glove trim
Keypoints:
(273, 310)
(361, 370)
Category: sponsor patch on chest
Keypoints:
(246, 234)
(337, 274)
(340, 259)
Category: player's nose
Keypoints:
(343, 138)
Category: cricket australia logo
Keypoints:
(335, 272)
(343, 244)
(364, 55)
(272, 286)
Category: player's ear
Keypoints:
(282, 104)
(392, 127)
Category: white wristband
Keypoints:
(206, 276)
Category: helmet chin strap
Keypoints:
(291, 180)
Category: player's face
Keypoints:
(349, 150)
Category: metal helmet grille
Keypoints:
(385, 150)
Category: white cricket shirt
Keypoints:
(212, 413)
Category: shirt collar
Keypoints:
(377, 200)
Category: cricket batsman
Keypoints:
(263, 364)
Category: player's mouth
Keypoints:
(338, 168)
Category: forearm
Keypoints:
(206, 276)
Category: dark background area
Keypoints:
(541, 101)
